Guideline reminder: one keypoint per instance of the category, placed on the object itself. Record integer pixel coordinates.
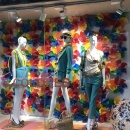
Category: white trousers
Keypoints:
(53, 100)
(17, 103)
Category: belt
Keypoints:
(91, 75)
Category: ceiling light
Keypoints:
(17, 18)
(13, 15)
(43, 16)
(121, 9)
(63, 13)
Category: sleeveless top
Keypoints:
(92, 62)
(20, 58)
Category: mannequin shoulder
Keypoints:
(14, 51)
(69, 47)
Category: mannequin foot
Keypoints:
(14, 124)
(21, 122)
(88, 125)
(50, 124)
(95, 126)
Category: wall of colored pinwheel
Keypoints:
(41, 61)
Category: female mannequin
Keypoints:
(93, 78)
(19, 71)
(64, 66)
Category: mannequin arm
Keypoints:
(69, 60)
(103, 75)
(13, 68)
(103, 69)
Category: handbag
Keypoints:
(66, 123)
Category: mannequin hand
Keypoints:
(12, 81)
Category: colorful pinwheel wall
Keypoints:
(41, 61)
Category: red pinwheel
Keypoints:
(34, 36)
(60, 93)
(75, 23)
(82, 37)
(48, 63)
(9, 39)
(75, 38)
(113, 52)
(122, 38)
(7, 51)
(34, 27)
(108, 20)
(30, 101)
(48, 91)
(47, 28)
(40, 108)
(35, 95)
(107, 71)
(9, 29)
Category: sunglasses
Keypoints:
(64, 37)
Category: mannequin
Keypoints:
(19, 71)
(64, 66)
(92, 78)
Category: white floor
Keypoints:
(41, 119)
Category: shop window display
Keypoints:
(42, 50)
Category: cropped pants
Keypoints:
(92, 85)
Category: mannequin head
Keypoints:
(66, 37)
(22, 42)
(93, 40)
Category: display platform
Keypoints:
(40, 126)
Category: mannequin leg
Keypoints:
(88, 89)
(92, 107)
(92, 122)
(20, 104)
(66, 97)
(17, 103)
(53, 101)
(88, 124)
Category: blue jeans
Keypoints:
(92, 85)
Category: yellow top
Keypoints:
(22, 58)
